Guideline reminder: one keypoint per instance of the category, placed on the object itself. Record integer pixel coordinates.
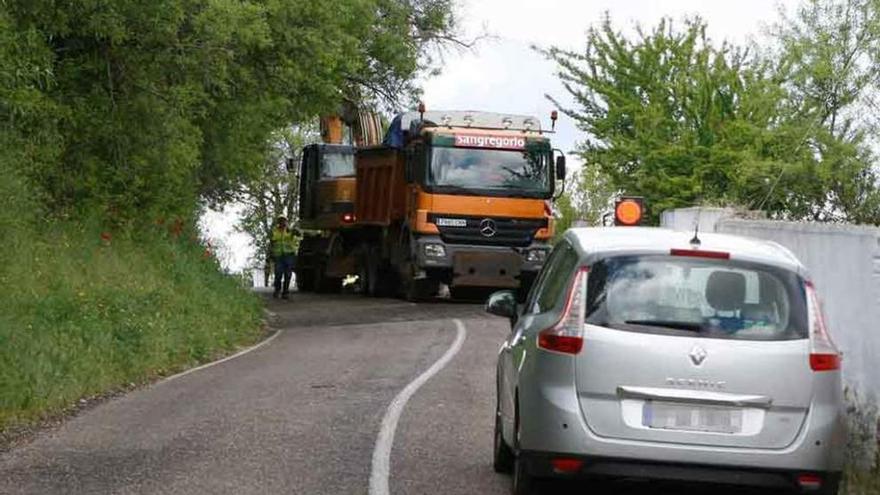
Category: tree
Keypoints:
(158, 106)
(275, 191)
(671, 116)
(592, 195)
(830, 60)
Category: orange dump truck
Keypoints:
(455, 198)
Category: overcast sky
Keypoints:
(503, 74)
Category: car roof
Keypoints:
(607, 241)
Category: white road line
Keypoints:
(381, 470)
(220, 361)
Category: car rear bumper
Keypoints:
(553, 422)
(540, 464)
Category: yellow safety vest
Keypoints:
(283, 242)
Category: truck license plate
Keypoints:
(686, 417)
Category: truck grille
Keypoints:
(456, 229)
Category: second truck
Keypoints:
(458, 198)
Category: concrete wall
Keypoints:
(844, 262)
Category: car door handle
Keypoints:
(695, 396)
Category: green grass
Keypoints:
(80, 316)
(861, 482)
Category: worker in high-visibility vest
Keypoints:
(283, 249)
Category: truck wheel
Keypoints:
(420, 290)
(382, 276)
(305, 280)
(365, 281)
(475, 294)
(525, 286)
(325, 284)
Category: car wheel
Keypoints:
(523, 481)
(503, 456)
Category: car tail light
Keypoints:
(824, 355)
(348, 218)
(567, 465)
(809, 482)
(567, 335)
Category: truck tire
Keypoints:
(420, 290)
(305, 280)
(325, 284)
(474, 294)
(365, 282)
(525, 286)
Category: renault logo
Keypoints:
(488, 227)
(698, 355)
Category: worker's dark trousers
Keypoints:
(283, 270)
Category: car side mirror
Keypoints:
(560, 167)
(503, 303)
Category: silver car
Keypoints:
(655, 354)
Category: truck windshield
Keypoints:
(509, 172)
(336, 165)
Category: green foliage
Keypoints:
(566, 215)
(84, 315)
(675, 118)
(592, 195)
(142, 109)
(115, 115)
(275, 192)
(829, 52)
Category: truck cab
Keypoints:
(327, 186)
(473, 201)
(326, 207)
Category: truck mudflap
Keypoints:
(482, 269)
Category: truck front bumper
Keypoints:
(481, 266)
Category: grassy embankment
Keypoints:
(81, 315)
(862, 476)
(861, 482)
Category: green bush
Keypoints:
(83, 315)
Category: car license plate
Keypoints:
(687, 417)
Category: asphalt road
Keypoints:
(301, 415)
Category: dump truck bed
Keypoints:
(381, 186)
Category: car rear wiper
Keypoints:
(678, 325)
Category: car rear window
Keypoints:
(686, 296)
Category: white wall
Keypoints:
(844, 262)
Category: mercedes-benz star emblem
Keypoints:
(698, 355)
(488, 227)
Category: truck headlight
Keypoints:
(536, 255)
(435, 250)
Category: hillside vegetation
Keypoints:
(119, 122)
